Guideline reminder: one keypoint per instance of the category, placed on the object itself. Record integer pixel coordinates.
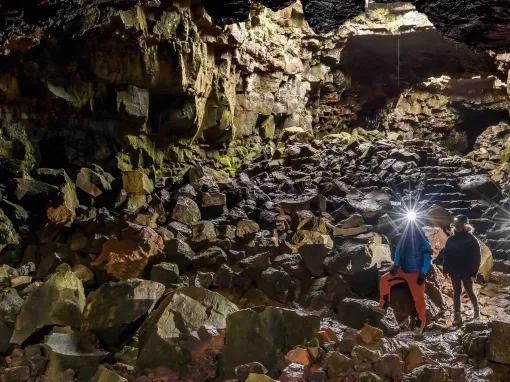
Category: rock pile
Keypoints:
(159, 279)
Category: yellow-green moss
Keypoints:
(505, 154)
(229, 163)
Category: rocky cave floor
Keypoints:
(271, 274)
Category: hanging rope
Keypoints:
(398, 61)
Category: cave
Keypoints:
(254, 190)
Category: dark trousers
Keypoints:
(457, 283)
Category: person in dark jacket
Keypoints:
(461, 257)
(411, 263)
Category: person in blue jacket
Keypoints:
(411, 264)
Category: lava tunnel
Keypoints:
(254, 191)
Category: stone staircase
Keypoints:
(437, 181)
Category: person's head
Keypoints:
(461, 223)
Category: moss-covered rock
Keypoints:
(58, 301)
(8, 235)
(186, 310)
(263, 334)
(113, 308)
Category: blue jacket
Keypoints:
(413, 253)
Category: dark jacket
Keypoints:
(461, 255)
(413, 252)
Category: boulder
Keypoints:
(127, 257)
(254, 377)
(165, 273)
(275, 283)
(58, 301)
(480, 185)
(92, 182)
(15, 374)
(212, 199)
(359, 260)
(186, 211)
(247, 229)
(243, 371)
(208, 257)
(370, 335)
(33, 191)
(438, 216)
(203, 233)
(308, 237)
(10, 305)
(133, 102)
(391, 366)
(137, 182)
(114, 307)
(498, 346)
(298, 355)
(370, 205)
(63, 207)
(255, 264)
(104, 374)
(337, 365)
(475, 344)
(179, 252)
(8, 234)
(313, 256)
(414, 358)
(73, 355)
(358, 312)
(426, 373)
(263, 334)
(181, 313)
(314, 202)
(362, 354)
(294, 372)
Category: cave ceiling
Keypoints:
(482, 24)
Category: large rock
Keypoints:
(426, 373)
(104, 374)
(58, 301)
(179, 252)
(112, 309)
(93, 182)
(137, 182)
(275, 283)
(313, 256)
(359, 260)
(263, 334)
(358, 312)
(71, 356)
(133, 102)
(186, 211)
(63, 207)
(8, 234)
(481, 186)
(370, 205)
(180, 314)
(128, 256)
(10, 305)
(498, 347)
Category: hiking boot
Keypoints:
(476, 313)
(386, 303)
(457, 321)
(418, 332)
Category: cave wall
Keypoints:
(160, 87)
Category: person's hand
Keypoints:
(421, 279)
(394, 270)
